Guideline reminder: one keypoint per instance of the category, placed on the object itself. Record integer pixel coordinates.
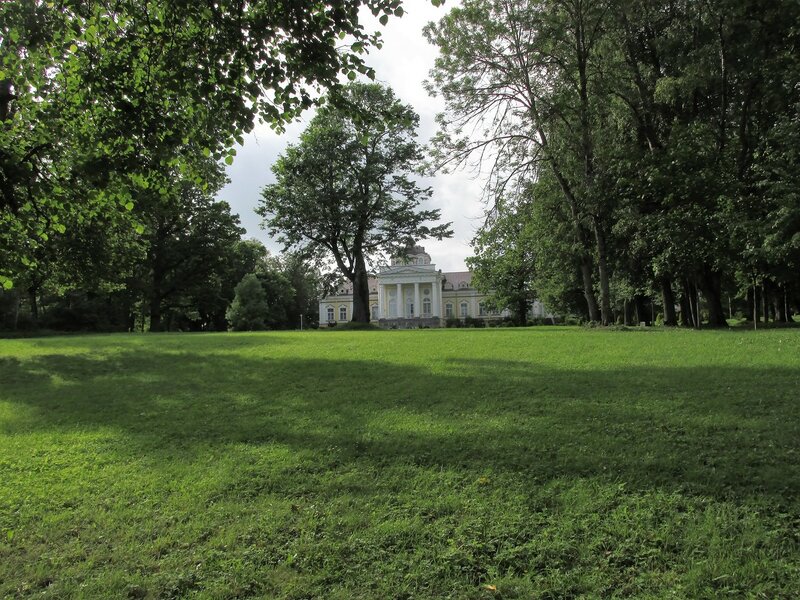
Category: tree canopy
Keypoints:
(663, 130)
(99, 101)
(347, 187)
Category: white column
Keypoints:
(399, 300)
(417, 307)
(381, 309)
(436, 297)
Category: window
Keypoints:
(448, 310)
(426, 307)
(482, 310)
(330, 313)
(374, 310)
(463, 285)
(463, 309)
(343, 313)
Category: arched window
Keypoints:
(463, 309)
(448, 310)
(343, 313)
(463, 285)
(330, 313)
(482, 309)
(426, 307)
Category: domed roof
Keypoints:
(414, 255)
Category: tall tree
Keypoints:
(516, 79)
(347, 187)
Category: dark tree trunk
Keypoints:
(521, 316)
(602, 271)
(640, 308)
(668, 298)
(588, 288)
(689, 308)
(751, 311)
(33, 292)
(155, 312)
(765, 302)
(710, 284)
(361, 292)
(777, 309)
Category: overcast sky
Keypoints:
(403, 63)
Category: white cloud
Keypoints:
(403, 63)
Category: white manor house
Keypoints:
(412, 293)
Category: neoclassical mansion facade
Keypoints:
(411, 293)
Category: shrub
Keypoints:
(473, 322)
(248, 310)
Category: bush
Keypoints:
(248, 310)
(473, 322)
(452, 322)
(351, 326)
(659, 319)
(573, 320)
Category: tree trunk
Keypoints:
(688, 305)
(602, 271)
(588, 287)
(765, 302)
(155, 312)
(522, 312)
(32, 299)
(361, 292)
(641, 310)
(668, 298)
(710, 284)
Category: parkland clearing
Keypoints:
(545, 462)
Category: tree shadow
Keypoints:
(725, 432)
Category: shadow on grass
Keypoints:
(722, 432)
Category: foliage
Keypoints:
(346, 188)
(97, 100)
(665, 131)
(503, 265)
(544, 462)
(249, 308)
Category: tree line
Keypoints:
(641, 153)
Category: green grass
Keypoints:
(535, 463)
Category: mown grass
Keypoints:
(538, 463)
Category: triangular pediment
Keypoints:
(407, 270)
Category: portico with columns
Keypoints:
(410, 293)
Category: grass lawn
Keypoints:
(515, 463)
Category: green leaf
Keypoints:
(138, 228)
(351, 75)
(129, 206)
(384, 19)
(228, 160)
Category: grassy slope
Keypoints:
(426, 464)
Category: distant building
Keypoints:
(411, 293)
